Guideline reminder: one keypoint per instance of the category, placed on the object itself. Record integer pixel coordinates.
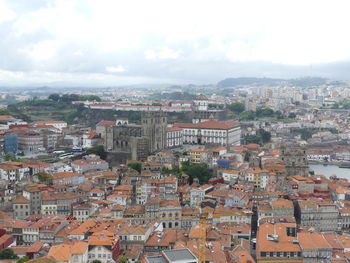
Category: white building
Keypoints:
(174, 137)
(197, 194)
(201, 103)
(211, 132)
(60, 125)
(101, 245)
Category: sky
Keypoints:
(112, 42)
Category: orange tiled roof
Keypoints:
(21, 200)
(64, 252)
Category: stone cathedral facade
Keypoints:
(136, 141)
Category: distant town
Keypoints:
(246, 170)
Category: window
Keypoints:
(263, 254)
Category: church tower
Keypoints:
(154, 128)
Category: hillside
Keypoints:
(236, 82)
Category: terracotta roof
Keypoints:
(105, 123)
(21, 200)
(46, 122)
(284, 243)
(83, 228)
(45, 259)
(4, 238)
(96, 191)
(102, 238)
(66, 175)
(312, 241)
(162, 238)
(164, 203)
(5, 117)
(173, 129)
(64, 252)
(133, 230)
(282, 204)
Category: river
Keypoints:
(329, 170)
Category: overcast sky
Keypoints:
(111, 42)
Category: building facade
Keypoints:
(211, 132)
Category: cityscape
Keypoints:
(145, 133)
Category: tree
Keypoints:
(96, 261)
(136, 166)
(98, 150)
(4, 112)
(237, 107)
(200, 171)
(8, 253)
(264, 135)
(264, 112)
(292, 115)
(252, 139)
(122, 259)
(55, 97)
(44, 178)
(278, 114)
(23, 259)
(305, 134)
(11, 157)
(247, 116)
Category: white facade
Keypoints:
(174, 137)
(101, 253)
(211, 132)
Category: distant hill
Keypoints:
(236, 82)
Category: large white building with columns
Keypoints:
(211, 132)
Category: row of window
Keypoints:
(81, 213)
(21, 206)
(100, 256)
(173, 134)
(280, 254)
(135, 238)
(206, 133)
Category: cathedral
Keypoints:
(295, 160)
(137, 141)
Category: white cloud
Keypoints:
(150, 54)
(164, 53)
(6, 13)
(117, 69)
(42, 50)
(65, 35)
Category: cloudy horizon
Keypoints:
(106, 42)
